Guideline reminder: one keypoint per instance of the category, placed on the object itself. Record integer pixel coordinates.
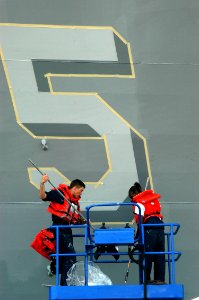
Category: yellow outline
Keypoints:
(119, 36)
(131, 60)
(91, 75)
(9, 84)
(49, 84)
(132, 76)
(67, 137)
(109, 162)
(55, 26)
(53, 169)
(125, 122)
(62, 93)
(50, 137)
(96, 183)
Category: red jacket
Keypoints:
(66, 211)
(152, 207)
(44, 243)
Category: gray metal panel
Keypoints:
(79, 44)
(20, 267)
(163, 104)
(62, 130)
(140, 159)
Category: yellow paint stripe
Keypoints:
(49, 83)
(119, 35)
(107, 152)
(40, 137)
(136, 132)
(73, 94)
(68, 137)
(55, 26)
(17, 115)
(53, 169)
(120, 117)
(131, 60)
(102, 178)
(109, 162)
(9, 85)
(90, 75)
(128, 125)
(148, 163)
(27, 130)
(57, 93)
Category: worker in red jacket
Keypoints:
(64, 213)
(154, 240)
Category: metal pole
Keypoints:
(78, 212)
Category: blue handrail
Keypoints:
(89, 244)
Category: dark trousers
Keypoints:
(65, 246)
(155, 242)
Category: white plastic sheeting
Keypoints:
(76, 275)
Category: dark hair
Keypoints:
(135, 189)
(78, 183)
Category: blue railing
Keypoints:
(89, 244)
(57, 254)
(172, 255)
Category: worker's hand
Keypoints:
(81, 221)
(44, 178)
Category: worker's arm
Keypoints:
(42, 193)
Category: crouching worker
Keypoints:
(153, 235)
(63, 213)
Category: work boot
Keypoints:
(151, 282)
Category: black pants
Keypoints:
(155, 242)
(65, 246)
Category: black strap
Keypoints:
(135, 248)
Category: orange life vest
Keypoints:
(150, 201)
(44, 243)
(65, 210)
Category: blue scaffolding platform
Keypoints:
(119, 236)
(117, 292)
